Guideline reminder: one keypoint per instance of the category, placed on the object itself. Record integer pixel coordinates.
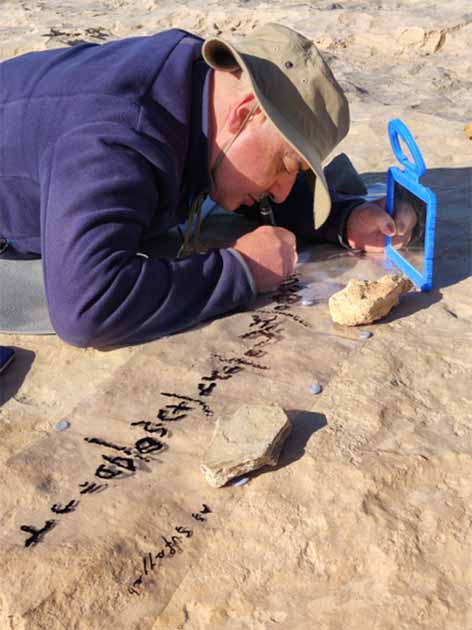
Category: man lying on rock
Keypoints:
(104, 147)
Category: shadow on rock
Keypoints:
(304, 425)
(12, 378)
(411, 303)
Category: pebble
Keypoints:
(242, 481)
(308, 301)
(62, 425)
(315, 388)
(365, 334)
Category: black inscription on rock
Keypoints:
(183, 530)
(148, 445)
(172, 546)
(132, 587)
(206, 409)
(100, 442)
(255, 352)
(292, 316)
(198, 517)
(152, 427)
(57, 508)
(223, 375)
(103, 472)
(206, 390)
(90, 488)
(148, 563)
(269, 330)
(125, 463)
(172, 413)
(264, 324)
(37, 535)
(241, 362)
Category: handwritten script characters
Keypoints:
(172, 544)
(119, 462)
(37, 534)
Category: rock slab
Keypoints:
(364, 301)
(251, 438)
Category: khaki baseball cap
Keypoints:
(296, 90)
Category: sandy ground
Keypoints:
(367, 520)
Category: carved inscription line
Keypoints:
(263, 331)
(116, 466)
(171, 546)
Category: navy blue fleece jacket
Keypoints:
(101, 148)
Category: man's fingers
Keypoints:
(370, 223)
(270, 253)
(405, 219)
(385, 223)
(291, 262)
(401, 241)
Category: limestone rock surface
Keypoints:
(364, 301)
(367, 516)
(249, 439)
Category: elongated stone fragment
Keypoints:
(251, 438)
(364, 301)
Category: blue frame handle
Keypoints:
(396, 130)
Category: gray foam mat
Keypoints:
(23, 307)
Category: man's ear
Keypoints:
(240, 110)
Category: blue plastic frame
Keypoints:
(409, 179)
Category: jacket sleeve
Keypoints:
(98, 198)
(296, 212)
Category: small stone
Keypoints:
(251, 438)
(365, 334)
(308, 301)
(242, 481)
(62, 425)
(315, 388)
(364, 301)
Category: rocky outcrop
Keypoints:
(364, 301)
(250, 439)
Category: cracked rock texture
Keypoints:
(365, 301)
(250, 439)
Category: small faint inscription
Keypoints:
(171, 544)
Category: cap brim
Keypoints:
(221, 55)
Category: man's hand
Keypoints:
(271, 255)
(369, 223)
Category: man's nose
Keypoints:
(280, 190)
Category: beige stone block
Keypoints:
(251, 438)
(364, 301)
